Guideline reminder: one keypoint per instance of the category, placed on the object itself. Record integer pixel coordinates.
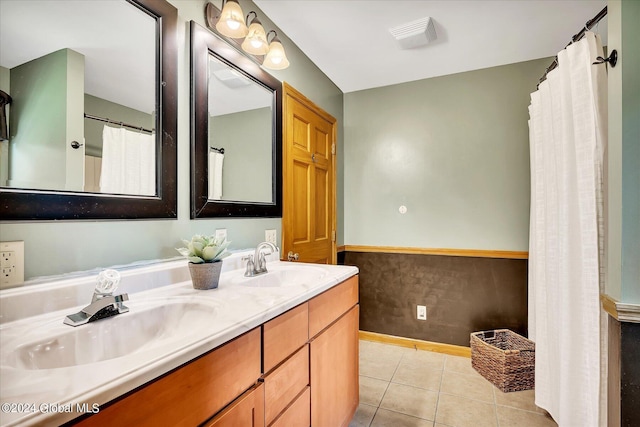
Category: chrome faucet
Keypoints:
(104, 303)
(256, 263)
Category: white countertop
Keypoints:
(51, 396)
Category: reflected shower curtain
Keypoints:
(128, 162)
(568, 134)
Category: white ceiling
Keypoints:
(350, 42)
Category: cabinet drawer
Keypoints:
(285, 382)
(328, 306)
(298, 414)
(247, 410)
(191, 394)
(284, 335)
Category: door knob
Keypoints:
(292, 257)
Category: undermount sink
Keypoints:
(280, 275)
(147, 325)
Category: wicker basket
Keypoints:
(504, 358)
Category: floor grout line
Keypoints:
(406, 356)
(495, 406)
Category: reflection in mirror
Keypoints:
(136, 44)
(236, 132)
(82, 78)
(240, 136)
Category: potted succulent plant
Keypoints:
(205, 254)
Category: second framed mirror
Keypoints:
(236, 132)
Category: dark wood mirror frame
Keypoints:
(203, 44)
(52, 205)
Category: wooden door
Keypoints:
(309, 217)
(334, 373)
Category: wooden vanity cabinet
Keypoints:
(334, 373)
(284, 335)
(299, 369)
(333, 351)
(298, 414)
(285, 383)
(247, 410)
(191, 394)
(310, 359)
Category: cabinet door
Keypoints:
(246, 411)
(334, 373)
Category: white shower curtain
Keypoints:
(568, 131)
(128, 162)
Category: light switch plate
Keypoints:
(11, 264)
(271, 236)
(221, 233)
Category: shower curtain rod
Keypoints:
(116, 122)
(589, 25)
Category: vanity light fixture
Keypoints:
(247, 34)
(231, 21)
(256, 41)
(276, 58)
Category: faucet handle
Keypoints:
(108, 281)
(250, 265)
(261, 266)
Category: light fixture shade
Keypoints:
(256, 41)
(276, 58)
(231, 22)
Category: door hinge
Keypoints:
(333, 148)
(333, 235)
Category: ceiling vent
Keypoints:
(415, 33)
(228, 76)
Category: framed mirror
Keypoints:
(92, 120)
(236, 132)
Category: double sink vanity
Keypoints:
(277, 349)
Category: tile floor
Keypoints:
(405, 387)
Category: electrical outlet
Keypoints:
(422, 312)
(270, 236)
(221, 233)
(11, 263)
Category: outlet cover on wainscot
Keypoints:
(422, 312)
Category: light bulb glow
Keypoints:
(231, 22)
(234, 25)
(256, 41)
(276, 58)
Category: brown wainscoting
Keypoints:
(624, 373)
(463, 294)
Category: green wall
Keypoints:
(40, 125)
(454, 150)
(631, 152)
(59, 247)
(246, 139)
(623, 155)
(107, 109)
